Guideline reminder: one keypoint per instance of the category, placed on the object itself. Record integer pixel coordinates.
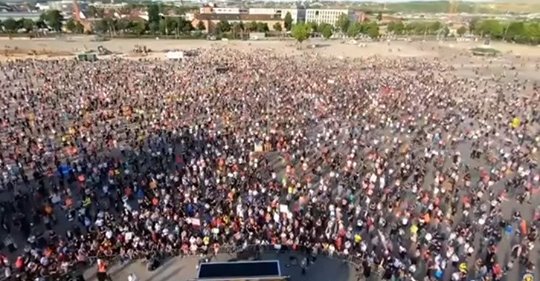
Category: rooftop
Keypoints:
(237, 17)
(19, 15)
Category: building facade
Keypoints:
(211, 20)
(330, 16)
(296, 14)
(211, 15)
(19, 16)
(64, 6)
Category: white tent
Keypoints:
(175, 55)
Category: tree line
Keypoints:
(343, 26)
(54, 20)
(113, 26)
(238, 29)
(524, 32)
(156, 24)
(418, 28)
(50, 20)
(166, 26)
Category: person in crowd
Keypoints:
(132, 277)
(399, 166)
(102, 270)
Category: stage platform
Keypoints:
(267, 270)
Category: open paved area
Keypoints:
(185, 269)
(335, 48)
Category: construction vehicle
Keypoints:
(102, 51)
(80, 18)
(86, 56)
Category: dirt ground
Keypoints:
(17, 48)
(514, 61)
(42, 48)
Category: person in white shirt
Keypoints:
(7, 272)
(132, 277)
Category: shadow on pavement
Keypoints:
(167, 277)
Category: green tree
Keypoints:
(326, 30)
(96, 12)
(70, 25)
(153, 27)
(343, 23)
(169, 25)
(139, 27)
(434, 27)
(461, 31)
(201, 26)
(414, 28)
(288, 21)
(163, 28)
(122, 25)
(300, 32)
(74, 26)
(516, 31)
(423, 28)
(10, 25)
(492, 28)
(371, 29)
(443, 32)
(53, 19)
(379, 16)
(397, 28)
(40, 24)
(262, 27)
(153, 15)
(354, 29)
(473, 25)
(533, 30)
(252, 26)
(223, 26)
(111, 24)
(314, 27)
(27, 24)
(277, 27)
(101, 26)
(238, 28)
(183, 25)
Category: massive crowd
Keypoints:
(398, 165)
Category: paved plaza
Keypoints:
(185, 269)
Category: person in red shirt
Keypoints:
(19, 264)
(102, 271)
